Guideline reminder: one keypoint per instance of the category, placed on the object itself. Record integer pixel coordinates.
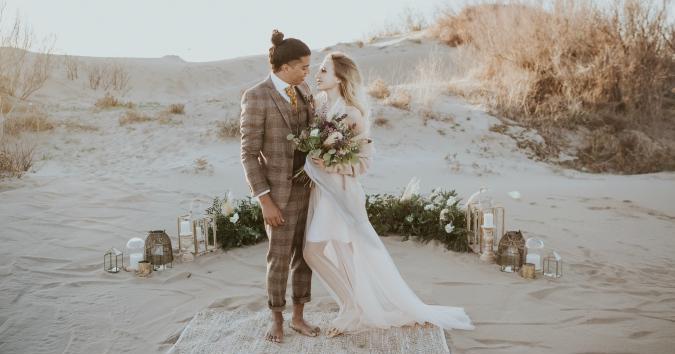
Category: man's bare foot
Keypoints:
(334, 332)
(301, 326)
(275, 332)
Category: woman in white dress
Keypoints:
(341, 246)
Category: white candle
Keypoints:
(534, 259)
(487, 220)
(134, 258)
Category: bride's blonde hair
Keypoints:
(350, 80)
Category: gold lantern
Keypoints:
(480, 212)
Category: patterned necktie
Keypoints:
(290, 90)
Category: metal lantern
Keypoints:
(158, 250)
(113, 260)
(479, 207)
(509, 260)
(552, 265)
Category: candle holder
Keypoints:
(528, 271)
(488, 255)
(144, 269)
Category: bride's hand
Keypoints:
(318, 162)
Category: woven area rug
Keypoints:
(241, 331)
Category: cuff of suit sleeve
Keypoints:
(261, 194)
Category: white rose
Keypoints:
(449, 228)
(314, 132)
(444, 214)
(451, 201)
(429, 207)
(234, 218)
(439, 200)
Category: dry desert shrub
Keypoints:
(71, 65)
(24, 68)
(400, 99)
(379, 89)
(177, 108)
(16, 156)
(574, 64)
(109, 76)
(133, 117)
(228, 129)
(110, 101)
(34, 121)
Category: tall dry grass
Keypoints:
(24, 65)
(574, 64)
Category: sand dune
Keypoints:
(91, 190)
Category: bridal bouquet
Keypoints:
(334, 141)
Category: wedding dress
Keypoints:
(347, 255)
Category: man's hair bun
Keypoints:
(277, 37)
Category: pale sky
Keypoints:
(202, 30)
(207, 30)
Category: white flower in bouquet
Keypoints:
(226, 208)
(409, 218)
(234, 218)
(315, 132)
(449, 228)
(332, 139)
(451, 201)
(439, 200)
(411, 189)
(444, 214)
(429, 207)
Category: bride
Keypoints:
(341, 246)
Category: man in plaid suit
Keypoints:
(270, 110)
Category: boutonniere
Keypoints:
(310, 99)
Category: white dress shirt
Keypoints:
(280, 85)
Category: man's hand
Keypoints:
(271, 213)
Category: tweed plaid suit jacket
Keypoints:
(266, 154)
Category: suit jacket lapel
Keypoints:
(283, 106)
(308, 99)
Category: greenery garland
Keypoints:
(436, 216)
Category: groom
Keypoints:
(270, 110)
